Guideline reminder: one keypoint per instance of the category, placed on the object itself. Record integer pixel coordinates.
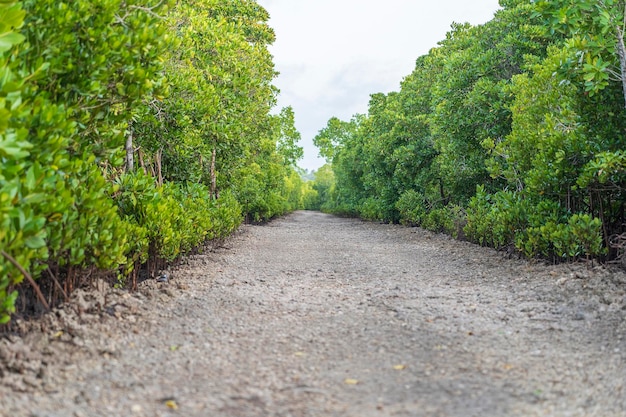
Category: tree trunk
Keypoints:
(442, 194)
(621, 51)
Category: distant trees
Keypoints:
(509, 133)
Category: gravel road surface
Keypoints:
(314, 315)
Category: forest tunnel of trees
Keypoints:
(131, 132)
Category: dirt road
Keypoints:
(313, 315)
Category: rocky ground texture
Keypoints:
(313, 315)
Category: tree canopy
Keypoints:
(509, 134)
(130, 133)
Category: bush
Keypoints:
(370, 209)
(80, 79)
(495, 220)
(536, 239)
(580, 236)
(410, 205)
(54, 202)
(173, 219)
(267, 193)
(588, 233)
(449, 219)
(544, 229)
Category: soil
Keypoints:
(314, 315)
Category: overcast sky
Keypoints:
(332, 54)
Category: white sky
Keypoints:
(332, 54)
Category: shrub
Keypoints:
(172, 219)
(370, 209)
(410, 205)
(495, 220)
(554, 234)
(449, 219)
(588, 233)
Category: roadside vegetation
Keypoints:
(510, 134)
(132, 132)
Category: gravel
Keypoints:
(314, 315)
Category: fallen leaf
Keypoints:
(58, 334)
(299, 354)
(171, 404)
(399, 367)
(350, 381)
(174, 348)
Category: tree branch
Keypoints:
(621, 51)
(30, 279)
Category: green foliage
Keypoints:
(187, 216)
(505, 219)
(495, 220)
(471, 95)
(267, 193)
(411, 208)
(592, 32)
(20, 228)
(606, 169)
(339, 184)
(90, 231)
(219, 128)
(371, 209)
(316, 187)
(103, 60)
(221, 92)
(587, 232)
(288, 138)
(449, 219)
(508, 134)
(173, 219)
(187, 86)
(428, 137)
(310, 197)
(334, 137)
(55, 202)
(580, 236)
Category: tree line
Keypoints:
(510, 134)
(131, 132)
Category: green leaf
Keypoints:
(35, 242)
(10, 39)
